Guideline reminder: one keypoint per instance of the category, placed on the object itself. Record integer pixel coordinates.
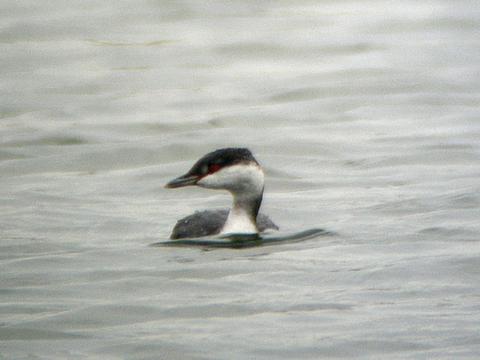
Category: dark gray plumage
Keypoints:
(210, 222)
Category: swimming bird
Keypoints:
(234, 170)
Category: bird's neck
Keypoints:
(242, 218)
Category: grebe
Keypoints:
(234, 170)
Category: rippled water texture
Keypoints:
(365, 116)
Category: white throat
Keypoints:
(245, 182)
(240, 219)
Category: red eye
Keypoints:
(213, 167)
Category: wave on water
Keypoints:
(239, 241)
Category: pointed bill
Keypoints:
(181, 181)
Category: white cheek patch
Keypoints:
(235, 178)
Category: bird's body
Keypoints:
(234, 170)
(210, 222)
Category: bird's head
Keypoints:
(232, 169)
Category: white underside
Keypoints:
(238, 222)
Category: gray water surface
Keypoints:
(365, 116)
